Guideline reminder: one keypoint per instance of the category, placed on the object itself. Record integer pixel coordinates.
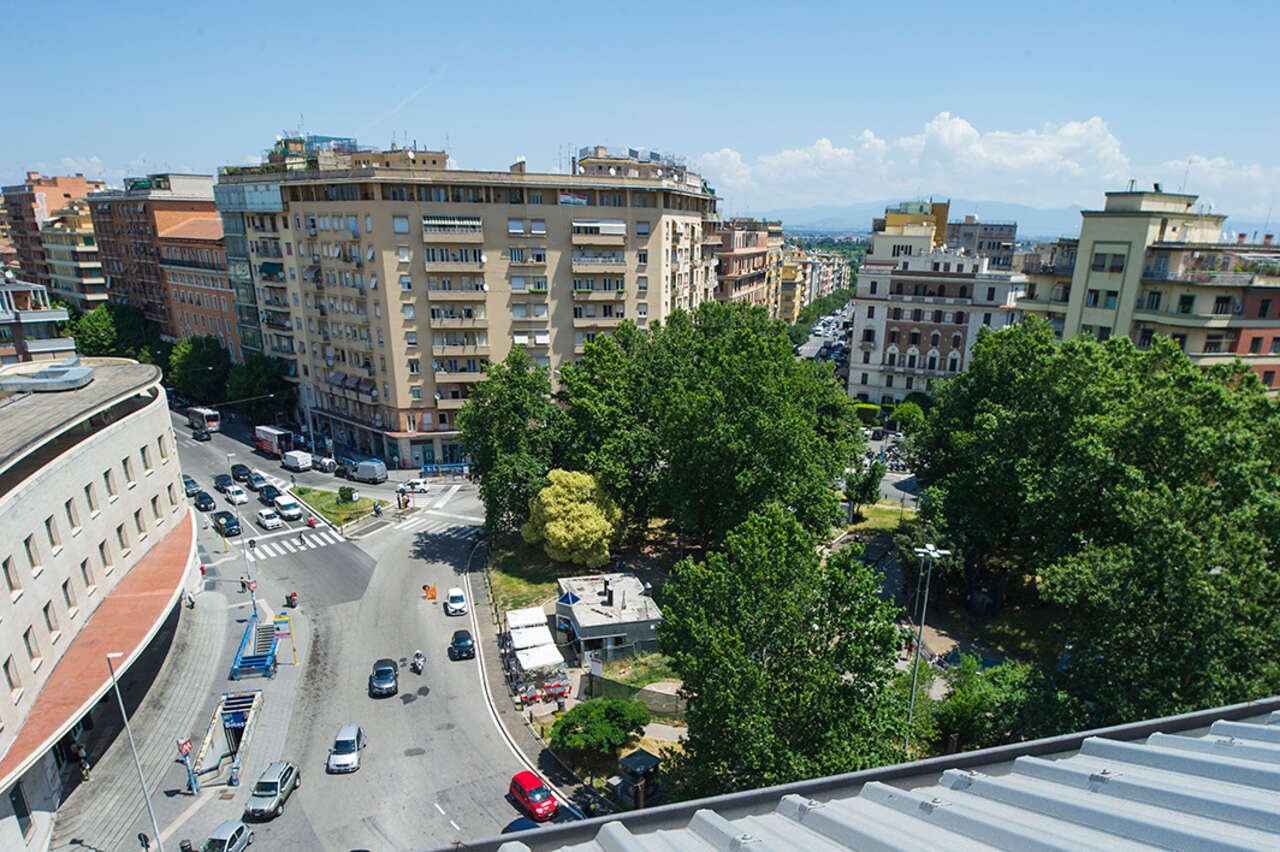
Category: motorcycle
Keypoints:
(418, 662)
(311, 522)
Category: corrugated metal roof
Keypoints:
(1213, 788)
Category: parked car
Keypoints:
(455, 602)
(272, 790)
(190, 486)
(239, 472)
(323, 464)
(463, 647)
(226, 524)
(267, 494)
(533, 796)
(413, 486)
(201, 435)
(231, 836)
(269, 520)
(385, 678)
(287, 507)
(222, 482)
(236, 495)
(204, 501)
(255, 482)
(347, 745)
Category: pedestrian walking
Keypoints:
(84, 769)
(244, 584)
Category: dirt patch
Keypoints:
(670, 687)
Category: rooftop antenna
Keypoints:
(1133, 184)
(1185, 172)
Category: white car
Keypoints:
(236, 495)
(288, 508)
(269, 520)
(455, 602)
(414, 486)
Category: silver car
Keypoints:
(347, 745)
(231, 836)
(272, 790)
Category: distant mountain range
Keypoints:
(1033, 222)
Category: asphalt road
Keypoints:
(436, 768)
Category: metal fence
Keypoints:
(659, 703)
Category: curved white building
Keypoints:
(98, 545)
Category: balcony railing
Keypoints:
(1198, 277)
(193, 264)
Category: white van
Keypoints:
(297, 460)
(288, 508)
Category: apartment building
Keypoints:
(918, 312)
(29, 324)
(29, 203)
(389, 282)
(128, 223)
(1154, 263)
(793, 287)
(71, 255)
(930, 214)
(747, 255)
(99, 546)
(201, 300)
(993, 240)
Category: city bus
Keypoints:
(204, 418)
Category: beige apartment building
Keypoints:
(1154, 263)
(71, 256)
(389, 282)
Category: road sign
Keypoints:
(253, 585)
(185, 746)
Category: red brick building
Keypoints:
(193, 262)
(29, 203)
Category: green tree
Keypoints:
(863, 487)
(574, 519)
(199, 366)
(508, 427)
(787, 661)
(909, 417)
(601, 726)
(258, 376)
(95, 332)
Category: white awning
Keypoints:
(531, 617)
(541, 657)
(607, 227)
(531, 637)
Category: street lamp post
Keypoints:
(244, 552)
(932, 553)
(146, 797)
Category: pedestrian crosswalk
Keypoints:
(285, 546)
(448, 526)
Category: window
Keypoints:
(86, 574)
(400, 224)
(411, 338)
(15, 688)
(110, 481)
(642, 309)
(122, 540)
(1222, 305)
(538, 226)
(864, 378)
(914, 337)
(406, 282)
(170, 491)
(1117, 263)
(51, 621)
(1112, 296)
(145, 452)
(642, 256)
(1269, 378)
(407, 310)
(874, 285)
(888, 381)
(1185, 303)
(1255, 346)
(1099, 261)
(416, 393)
(155, 507)
(1275, 345)
(541, 338)
(986, 319)
(991, 294)
(642, 229)
(642, 282)
(11, 576)
(128, 469)
(415, 366)
(1091, 298)
(519, 310)
(871, 311)
(517, 284)
(33, 649)
(51, 532)
(515, 226)
(402, 254)
(1264, 308)
(163, 447)
(33, 555)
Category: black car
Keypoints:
(385, 678)
(190, 486)
(267, 495)
(222, 482)
(226, 523)
(463, 647)
(204, 501)
(240, 472)
(201, 435)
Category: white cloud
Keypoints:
(1055, 165)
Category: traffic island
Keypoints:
(338, 512)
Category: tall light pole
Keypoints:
(932, 553)
(244, 545)
(146, 797)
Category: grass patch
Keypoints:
(521, 574)
(881, 518)
(641, 670)
(325, 503)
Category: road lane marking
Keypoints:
(456, 827)
(456, 517)
(440, 809)
(440, 504)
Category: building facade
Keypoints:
(29, 203)
(389, 282)
(201, 300)
(128, 223)
(745, 272)
(29, 324)
(1153, 263)
(100, 544)
(71, 255)
(928, 214)
(995, 241)
(918, 313)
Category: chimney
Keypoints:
(1240, 240)
(608, 598)
(517, 168)
(1156, 186)
(1267, 239)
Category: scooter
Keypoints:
(418, 661)
(311, 521)
(291, 600)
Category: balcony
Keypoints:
(456, 295)
(459, 322)
(192, 264)
(465, 350)
(1224, 279)
(459, 378)
(599, 295)
(453, 229)
(277, 323)
(586, 263)
(597, 322)
(448, 404)
(1187, 319)
(1064, 269)
(454, 265)
(936, 373)
(926, 300)
(599, 239)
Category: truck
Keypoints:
(272, 440)
(297, 460)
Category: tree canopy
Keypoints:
(574, 519)
(601, 726)
(199, 367)
(258, 376)
(787, 661)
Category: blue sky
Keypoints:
(780, 104)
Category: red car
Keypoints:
(534, 796)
